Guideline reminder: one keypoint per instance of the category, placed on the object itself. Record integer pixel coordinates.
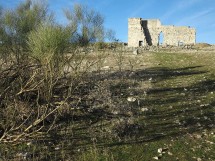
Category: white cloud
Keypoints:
(183, 4)
(195, 18)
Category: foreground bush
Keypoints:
(48, 44)
(16, 24)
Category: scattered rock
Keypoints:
(144, 109)
(170, 107)
(157, 157)
(210, 142)
(105, 68)
(132, 74)
(169, 153)
(131, 99)
(204, 105)
(29, 143)
(197, 136)
(199, 159)
(160, 150)
(23, 155)
(198, 124)
(115, 112)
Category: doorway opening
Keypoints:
(141, 43)
(161, 39)
(180, 43)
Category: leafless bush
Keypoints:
(56, 81)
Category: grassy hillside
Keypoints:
(153, 106)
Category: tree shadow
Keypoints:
(156, 73)
(175, 111)
(172, 112)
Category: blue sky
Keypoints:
(195, 13)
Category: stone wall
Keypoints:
(135, 32)
(146, 32)
(178, 35)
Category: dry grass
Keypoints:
(173, 109)
(202, 45)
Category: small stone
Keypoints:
(105, 68)
(205, 117)
(210, 142)
(198, 124)
(131, 99)
(198, 136)
(22, 155)
(56, 148)
(29, 143)
(129, 113)
(156, 158)
(199, 159)
(169, 153)
(115, 112)
(160, 150)
(144, 109)
(132, 74)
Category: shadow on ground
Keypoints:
(172, 112)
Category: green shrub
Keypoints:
(17, 23)
(48, 43)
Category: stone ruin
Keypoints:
(152, 33)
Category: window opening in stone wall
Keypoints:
(161, 38)
(141, 43)
(180, 43)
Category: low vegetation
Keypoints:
(67, 95)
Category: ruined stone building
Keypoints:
(150, 32)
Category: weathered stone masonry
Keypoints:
(147, 32)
